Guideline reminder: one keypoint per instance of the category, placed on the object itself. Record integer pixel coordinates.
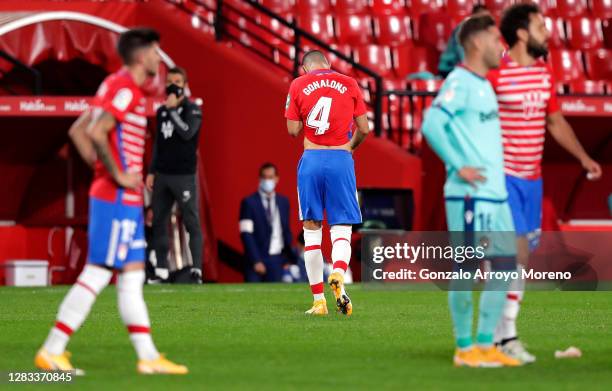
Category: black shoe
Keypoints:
(196, 275)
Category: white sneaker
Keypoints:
(515, 349)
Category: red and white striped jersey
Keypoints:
(526, 96)
(119, 96)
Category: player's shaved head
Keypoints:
(314, 59)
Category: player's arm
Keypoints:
(294, 127)
(363, 129)
(436, 133)
(80, 138)
(102, 123)
(563, 133)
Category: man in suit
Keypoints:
(264, 229)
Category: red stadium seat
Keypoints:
(339, 64)
(599, 64)
(322, 7)
(377, 58)
(272, 30)
(319, 25)
(354, 29)
(410, 59)
(351, 6)
(278, 6)
(432, 85)
(388, 7)
(567, 65)
(557, 33)
(392, 30)
(548, 7)
(602, 8)
(587, 87)
(417, 7)
(434, 30)
(459, 9)
(570, 8)
(584, 33)
(496, 7)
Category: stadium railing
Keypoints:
(223, 17)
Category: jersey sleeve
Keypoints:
(360, 106)
(292, 111)
(452, 97)
(553, 102)
(117, 99)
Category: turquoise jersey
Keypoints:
(462, 126)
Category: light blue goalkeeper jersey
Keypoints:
(462, 126)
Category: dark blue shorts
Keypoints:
(116, 234)
(525, 199)
(326, 183)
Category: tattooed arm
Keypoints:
(101, 125)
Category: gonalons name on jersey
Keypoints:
(336, 85)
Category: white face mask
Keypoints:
(267, 185)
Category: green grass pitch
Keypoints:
(257, 337)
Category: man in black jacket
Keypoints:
(172, 174)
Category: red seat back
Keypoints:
(377, 58)
(584, 33)
(567, 65)
(392, 30)
(599, 64)
(354, 29)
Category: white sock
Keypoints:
(76, 306)
(313, 259)
(506, 328)
(341, 247)
(133, 311)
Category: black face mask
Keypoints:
(535, 49)
(174, 89)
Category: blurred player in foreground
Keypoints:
(527, 100)
(111, 137)
(462, 127)
(326, 104)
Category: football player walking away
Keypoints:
(325, 105)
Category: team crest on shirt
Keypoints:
(122, 99)
(532, 102)
(449, 95)
(167, 128)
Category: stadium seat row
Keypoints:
(455, 8)
(430, 29)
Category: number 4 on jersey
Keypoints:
(318, 117)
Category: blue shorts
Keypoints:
(525, 199)
(326, 182)
(116, 234)
(478, 220)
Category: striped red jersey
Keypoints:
(526, 96)
(119, 96)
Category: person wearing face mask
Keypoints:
(264, 230)
(526, 92)
(172, 173)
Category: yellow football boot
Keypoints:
(61, 362)
(319, 307)
(161, 365)
(343, 303)
(467, 358)
(493, 357)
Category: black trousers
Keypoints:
(166, 190)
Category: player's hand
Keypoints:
(593, 169)
(260, 268)
(171, 101)
(150, 181)
(129, 180)
(471, 175)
